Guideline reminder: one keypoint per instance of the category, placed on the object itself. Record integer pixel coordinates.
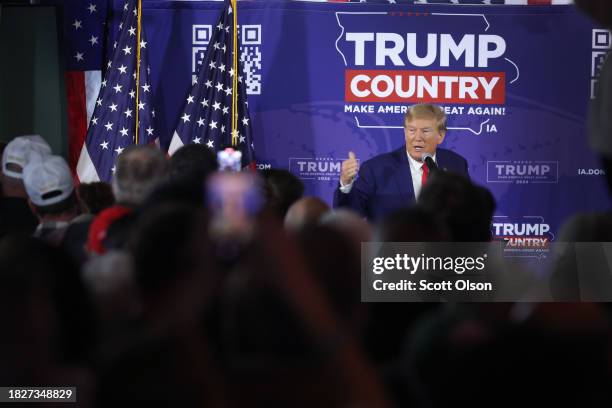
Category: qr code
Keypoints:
(197, 57)
(201, 34)
(250, 53)
(601, 42)
(251, 62)
(250, 56)
(602, 39)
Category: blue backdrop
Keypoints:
(323, 79)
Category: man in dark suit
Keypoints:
(394, 180)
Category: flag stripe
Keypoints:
(85, 168)
(175, 144)
(77, 114)
(93, 80)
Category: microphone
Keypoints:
(429, 161)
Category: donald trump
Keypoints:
(394, 180)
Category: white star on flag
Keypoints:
(113, 125)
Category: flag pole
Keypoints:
(139, 10)
(234, 5)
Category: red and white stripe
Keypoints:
(82, 89)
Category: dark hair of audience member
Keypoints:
(332, 258)
(188, 169)
(304, 212)
(95, 197)
(193, 161)
(255, 321)
(160, 371)
(283, 188)
(140, 169)
(455, 349)
(173, 271)
(274, 340)
(599, 10)
(68, 205)
(168, 244)
(466, 210)
(118, 232)
(411, 225)
(31, 333)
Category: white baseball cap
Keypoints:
(48, 181)
(23, 150)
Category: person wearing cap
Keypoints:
(15, 214)
(51, 195)
(394, 180)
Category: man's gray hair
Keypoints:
(139, 171)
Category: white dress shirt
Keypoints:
(416, 171)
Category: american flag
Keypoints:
(120, 102)
(207, 113)
(84, 24)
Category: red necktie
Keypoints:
(425, 174)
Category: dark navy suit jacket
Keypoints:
(384, 182)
